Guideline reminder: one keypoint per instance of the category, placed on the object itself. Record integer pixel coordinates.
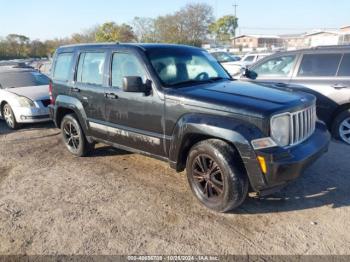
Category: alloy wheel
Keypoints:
(344, 130)
(71, 136)
(208, 177)
(9, 118)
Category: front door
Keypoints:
(135, 120)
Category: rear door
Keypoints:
(318, 73)
(89, 86)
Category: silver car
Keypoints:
(322, 71)
(24, 96)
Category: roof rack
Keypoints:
(332, 46)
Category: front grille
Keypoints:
(303, 124)
(46, 102)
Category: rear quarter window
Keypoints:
(63, 66)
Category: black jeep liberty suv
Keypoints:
(178, 104)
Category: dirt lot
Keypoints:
(119, 203)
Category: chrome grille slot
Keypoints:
(303, 124)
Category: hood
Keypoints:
(34, 93)
(243, 98)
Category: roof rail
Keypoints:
(332, 46)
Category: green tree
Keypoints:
(17, 45)
(224, 28)
(88, 36)
(37, 49)
(111, 32)
(189, 25)
(144, 29)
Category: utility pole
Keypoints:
(234, 39)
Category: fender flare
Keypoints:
(237, 132)
(73, 104)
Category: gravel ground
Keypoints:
(119, 203)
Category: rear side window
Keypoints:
(344, 69)
(90, 68)
(319, 65)
(63, 66)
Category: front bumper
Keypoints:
(285, 165)
(31, 115)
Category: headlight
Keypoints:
(25, 102)
(280, 128)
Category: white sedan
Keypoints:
(24, 96)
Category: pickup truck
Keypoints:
(178, 104)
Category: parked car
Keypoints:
(323, 72)
(24, 96)
(177, 104)
(252, 58)
(45, 67)
(228, 61)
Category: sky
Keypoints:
(46, 19)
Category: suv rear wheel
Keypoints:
(73, 136)
(216, 175)
(341, 127)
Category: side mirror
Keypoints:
(134, 84)
(249, 74)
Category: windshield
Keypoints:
(11, 79)
(176, 66)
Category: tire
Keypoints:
(341, 127)
(73, 136)
(9, 117)
(225, 187)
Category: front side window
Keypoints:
(90, 68)
(176, 66)
(123, 65)
(320, 65)
(63, 66)
(344, 69)
(277, 66)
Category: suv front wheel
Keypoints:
(73, 136)
(216, 175)
(341, 127)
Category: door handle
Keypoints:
(111, 96)
(75, 89)
(339, 86)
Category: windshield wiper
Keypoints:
(218, 78)
(193, 81)
(188, 82)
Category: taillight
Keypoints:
(52, 99)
